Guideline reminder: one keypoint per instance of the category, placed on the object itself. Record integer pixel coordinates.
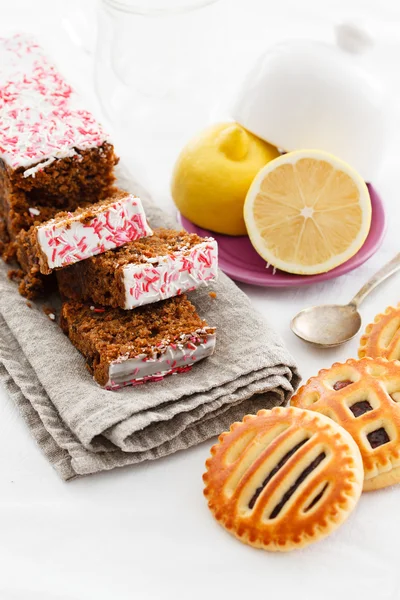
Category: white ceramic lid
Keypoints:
(305, 94)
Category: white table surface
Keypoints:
(145, 532)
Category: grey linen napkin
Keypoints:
(84, 429)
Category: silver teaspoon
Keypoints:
(330, 325)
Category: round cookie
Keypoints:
(283, 479)
(363, 397)
(382, 337)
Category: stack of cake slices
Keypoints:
(67, 225)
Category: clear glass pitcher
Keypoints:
(157, 74)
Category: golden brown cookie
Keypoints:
(283, 479)
(363, 397)
(382, 337)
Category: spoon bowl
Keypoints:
(327, 325)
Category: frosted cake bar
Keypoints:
(134, 347)
(72, 237)
(142, 272)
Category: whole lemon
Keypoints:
(213, 173)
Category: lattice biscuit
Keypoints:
(382, 337)
(363, 397)
(283, 479)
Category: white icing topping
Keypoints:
(42, 165)
(69, 240)
(41, 118)
(171, 275)
(169, 359)
(34, 211)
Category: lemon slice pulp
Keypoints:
(307, 212)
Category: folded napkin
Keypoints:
(84, 429)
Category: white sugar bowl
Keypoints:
(308, 94)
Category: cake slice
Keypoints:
(141, 272)
(133, 347)
(53, 152)
(71, 237)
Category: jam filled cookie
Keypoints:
(363, 397)
(283, 479)
(382, 337)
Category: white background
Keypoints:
(145, 532)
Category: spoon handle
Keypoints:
(383, 273)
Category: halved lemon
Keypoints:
(307, 212)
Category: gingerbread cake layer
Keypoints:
(72, 237)
(148, 270)
(133, 347)
(53, 153)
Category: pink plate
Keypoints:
(239, 260)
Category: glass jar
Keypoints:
(157, 70)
